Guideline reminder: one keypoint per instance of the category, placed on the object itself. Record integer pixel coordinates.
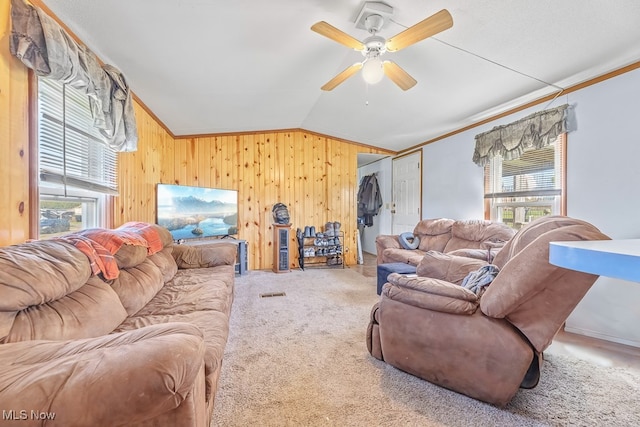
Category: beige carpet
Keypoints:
(301, 360)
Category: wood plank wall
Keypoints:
(314, 175)
(14, 140)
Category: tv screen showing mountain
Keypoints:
(195, 212)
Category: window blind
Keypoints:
(536, 173)
(72, 152)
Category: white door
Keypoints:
(407, 192)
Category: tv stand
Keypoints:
(242, 257)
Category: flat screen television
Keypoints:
(197, 212)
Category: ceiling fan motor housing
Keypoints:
(378, 12)
(374, 23)
(374, 43)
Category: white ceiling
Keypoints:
(207, 66)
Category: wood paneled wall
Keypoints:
(14, 140)
(314, 175)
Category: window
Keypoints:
(77, 170)
(532, 186)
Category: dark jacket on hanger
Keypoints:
(369, 199)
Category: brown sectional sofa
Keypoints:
(143, 349)
(470, 238)
(485, 343)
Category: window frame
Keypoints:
(104, 211)
(561, 203)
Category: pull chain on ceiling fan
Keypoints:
(373, 47)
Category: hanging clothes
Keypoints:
(369, 199)
(45, 47)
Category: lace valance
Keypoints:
(45, 47)
(532, 132)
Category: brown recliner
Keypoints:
(484, 345)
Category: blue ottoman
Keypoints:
(393, 267)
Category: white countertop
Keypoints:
(618, 258)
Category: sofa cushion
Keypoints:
(434, 233)
(112, 380)
(24, 268)
(430, 294)
(130, 255)
(165, 262)
(450, 268)
(205, 255)
(478, 234)
(201, 289)
(136, 286)
(201, 297)
(92, 310)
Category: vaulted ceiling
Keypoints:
(205, 66)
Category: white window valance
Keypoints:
(532, 132)
(45, 47)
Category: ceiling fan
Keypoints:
(372, 18)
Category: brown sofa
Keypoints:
(485, 344)
(471, 238)
(141, 349)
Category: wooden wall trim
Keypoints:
(14, 137)
(302, 130)
(34, 191)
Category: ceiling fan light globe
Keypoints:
(372, 71)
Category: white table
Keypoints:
(619, 258)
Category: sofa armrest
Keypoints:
(385, 241)
(117, 379)
(205, 255)
(447, 267)
(430, 294)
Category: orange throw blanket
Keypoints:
(113, 240)
(100, 244)
(148, 233)
(100, 258)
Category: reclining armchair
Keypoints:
(488, 344)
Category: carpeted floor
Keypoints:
(301, 360)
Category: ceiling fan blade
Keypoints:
(423, 29)
(344, 75)
(398, 75)
(335, 34)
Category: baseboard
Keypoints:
(601, 336)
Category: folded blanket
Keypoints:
(149, 232)
(101, 259)
(477, 280)
(113, 240)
